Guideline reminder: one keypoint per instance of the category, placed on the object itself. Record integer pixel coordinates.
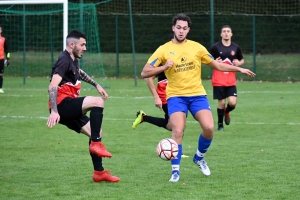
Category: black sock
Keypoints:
(229, 108)
(220, 115)
(97, 161)
(160, 122)
(1, 81)
(96, 122)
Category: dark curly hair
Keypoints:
(183, 17)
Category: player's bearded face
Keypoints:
(181, 30)
(76, 52)
(79, 48)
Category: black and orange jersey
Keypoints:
(69, 71)
(227, 54)
(3, 47)
(161, 87)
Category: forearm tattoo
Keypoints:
(52, 98)
(86, 78)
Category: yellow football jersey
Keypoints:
(184, 77)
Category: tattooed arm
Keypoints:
(54, 116)
(52, 98)
(86, 78)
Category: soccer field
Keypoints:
(256, 157)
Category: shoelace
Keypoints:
(203, 163)
(175, 175)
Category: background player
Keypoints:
(160, 101)
(4, 53)
(224, 83)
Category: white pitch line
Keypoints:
(110, 97)
(116, 119)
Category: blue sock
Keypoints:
(203, 145)
(176, 161)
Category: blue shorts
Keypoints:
(185, 104)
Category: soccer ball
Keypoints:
(167, 149)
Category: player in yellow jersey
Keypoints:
(181, 61)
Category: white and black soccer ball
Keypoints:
(167, 149)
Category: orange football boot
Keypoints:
(99, 149)
(104, 175)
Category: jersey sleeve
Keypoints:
(6, 47)
(239, 54)
(157, 58)
(214, 51)
(205, 56)
(61, 67)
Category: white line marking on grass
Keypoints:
(268, 92)
(18, 95)
(110, 97)
(116, 119)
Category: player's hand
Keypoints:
(6, 62)
(169, 64)
(247, 72)
(236, 62)
(219, 59)
(158, 103)
(102, 92)
(53, 119)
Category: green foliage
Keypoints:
(270, 67)
(275, 33)
(158, 7)
(254, 158)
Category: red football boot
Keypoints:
(104, 175)
(227, 117)
(99, 149)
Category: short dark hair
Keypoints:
(75, 34)
(226, 26)
(183, 17)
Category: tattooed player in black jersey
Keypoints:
(67, 108)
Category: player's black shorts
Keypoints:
(70, 111)
(222, 92)
(1, 66)
(165, 109)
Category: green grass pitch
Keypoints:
(256, 157)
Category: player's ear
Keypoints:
(72, 44)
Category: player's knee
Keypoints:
(233, 105)
(177, 132)
(97, 102)
(209, 129)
